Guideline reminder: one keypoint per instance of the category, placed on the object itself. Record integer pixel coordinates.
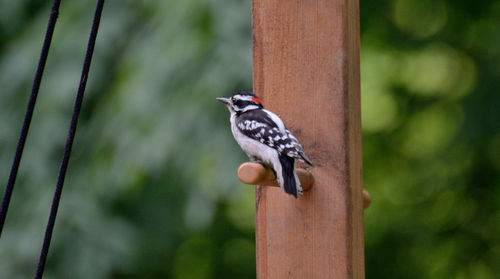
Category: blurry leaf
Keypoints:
(194, 259)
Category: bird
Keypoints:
(265, 139)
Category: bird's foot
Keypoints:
(256, 160)
(259, 161)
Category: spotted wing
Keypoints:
(296, 150)
(259, 126)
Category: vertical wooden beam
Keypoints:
(306, 69)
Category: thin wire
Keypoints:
(29, 113)
(69, 141)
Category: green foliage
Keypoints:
(144, 196)
(431, 149)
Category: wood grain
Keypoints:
(306, 69)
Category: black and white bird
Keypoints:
(265, 139)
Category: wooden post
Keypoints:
(306, 69)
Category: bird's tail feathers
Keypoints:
(291, 183)
(305, 159)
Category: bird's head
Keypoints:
(241, 102)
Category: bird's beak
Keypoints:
(223, 100)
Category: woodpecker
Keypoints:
(265, 139)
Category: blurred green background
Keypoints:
(151, 190)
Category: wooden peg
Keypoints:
(257, 174)
(367, 199)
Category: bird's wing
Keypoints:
(259, 126)
(297, 151)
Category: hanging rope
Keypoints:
(29, 113)
(69, 140)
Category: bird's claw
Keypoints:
(253, 160)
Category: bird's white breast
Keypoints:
(253, 147)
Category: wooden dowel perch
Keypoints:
(257, 174)
(367, 199)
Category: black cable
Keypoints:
(69, 141)
(29, 113)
